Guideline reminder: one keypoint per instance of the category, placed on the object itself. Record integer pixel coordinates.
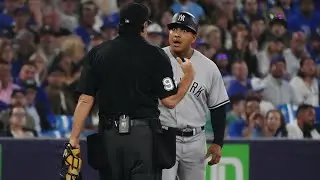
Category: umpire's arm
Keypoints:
(87, 87)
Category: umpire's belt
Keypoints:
(108, 123)
(188, 132)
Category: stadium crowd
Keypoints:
(268, 52)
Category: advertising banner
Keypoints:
(234, 164)
(241, 160)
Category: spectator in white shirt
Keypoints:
(305, 124)
(305, 84)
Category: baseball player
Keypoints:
(207, 95)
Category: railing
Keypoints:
(40, 159)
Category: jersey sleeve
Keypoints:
(217, 93)
(88, 80)
(163, 82)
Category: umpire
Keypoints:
(127, 76)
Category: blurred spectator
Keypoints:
(237, 103)
(21, 16)
(61, 102)
(6, 84)
(154, 34)
(277, 89)
(275, 125)
(240, 84)
(274, 48)
(304, 127)
(189, 6)
(287, 6)
(314, 46)
(16, 127)
(48, 44)
(252, 123)
(110, 26)
(250, 9)
(295, 53)
(18, 98)
(257, 28)
(41, 68)
(244, 49)
(212, 36)
(278, 25)
(68, 17)
(10, 6)
(35, 108)
(221, 20)
(87, 20)
(96, 39)
(306, 20)
(305, 84)
(257, 91)
(222, 62)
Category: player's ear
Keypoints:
(194, 38)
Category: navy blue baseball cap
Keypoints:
(134, 14)
(110, 21)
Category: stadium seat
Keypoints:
(288, 111)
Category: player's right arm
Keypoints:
(164, 84)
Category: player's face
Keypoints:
(180, 39)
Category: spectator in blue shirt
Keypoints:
(88, 13)
(306, 20)
(189, 6)
(241, 84)
(252, 124)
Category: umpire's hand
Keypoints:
(215, 152)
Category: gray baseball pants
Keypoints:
(190, 159)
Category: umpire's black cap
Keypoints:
(134, 14)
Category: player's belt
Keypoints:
(188, 132)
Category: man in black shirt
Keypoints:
(128, 76)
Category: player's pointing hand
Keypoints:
(186, 66)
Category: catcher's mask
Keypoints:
(71, 164)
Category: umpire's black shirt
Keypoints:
(127, 75)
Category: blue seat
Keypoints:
(288, 111)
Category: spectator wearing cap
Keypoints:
(21, 16)
(67, 15)
(222, 61)
(189, 6)
(16, 127)
(240, 83)
(237, 103)
(18, 98)
(273, 48)
(6, 84)
(277, 90)
(305, 84)
(306, 20)
(35, 108)
(278, 26)
(296, 51)
(110, 26)
(7, 23)
(47, 44)
(154, 34)
(61, 102)
(87, 20)
(257, 91)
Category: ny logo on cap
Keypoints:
(181, 17)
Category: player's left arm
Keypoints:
(217, 102)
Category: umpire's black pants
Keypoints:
(129, 157)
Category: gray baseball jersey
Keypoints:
(207, 91)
